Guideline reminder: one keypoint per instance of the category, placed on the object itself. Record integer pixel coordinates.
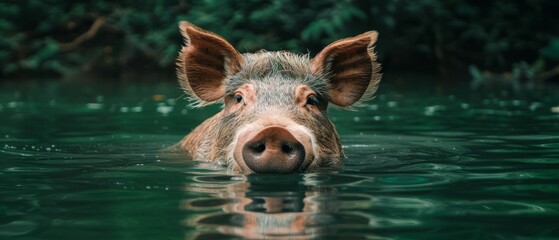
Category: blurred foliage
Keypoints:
(552, 50)
(65, 38)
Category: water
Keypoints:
(81, 159)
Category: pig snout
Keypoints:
(274, 149)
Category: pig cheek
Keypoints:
(326, 143)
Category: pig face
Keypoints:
(274, 116)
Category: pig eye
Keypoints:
(312, 100)
(238, 98)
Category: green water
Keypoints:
(81, 159)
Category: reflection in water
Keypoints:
(263, 206)
(418, 166)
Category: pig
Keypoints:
(274, 117)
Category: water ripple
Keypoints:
(494, 207)
(18, 228)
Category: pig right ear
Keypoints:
(204, 64)
(350, 69)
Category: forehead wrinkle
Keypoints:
(276, 68)
(265, 63)
(275, 93)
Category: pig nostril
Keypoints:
(272, 150)
(258, 147)
(286, 148)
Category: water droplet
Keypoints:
(94, 106)
(14, 104)
(165, 110)
(373, 107)
(535, 105)
(430, 110)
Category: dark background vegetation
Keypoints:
(116, 39)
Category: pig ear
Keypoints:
(204, 64)
(350, 68)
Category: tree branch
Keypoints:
(548, 74)
(97, 24)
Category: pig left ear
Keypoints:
(350, 68)
(205, 63)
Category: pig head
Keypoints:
(274, 117)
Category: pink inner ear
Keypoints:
(205, 62)
(205, 73)
(352, 68)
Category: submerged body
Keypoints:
(274, 116)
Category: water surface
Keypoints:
(82, 159)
